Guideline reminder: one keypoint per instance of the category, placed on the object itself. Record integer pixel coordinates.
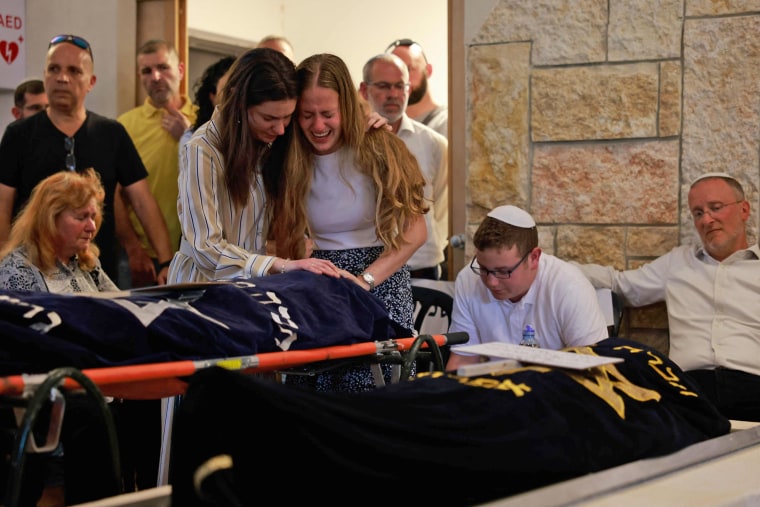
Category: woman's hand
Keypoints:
(318, 266)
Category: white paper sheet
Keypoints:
(529, 355)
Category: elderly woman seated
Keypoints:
(50, 248)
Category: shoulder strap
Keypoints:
(432, 114)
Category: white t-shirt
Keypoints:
(561, 305)
(341, 204)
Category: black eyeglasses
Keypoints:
(71, 161)
(501, 274)
(384, 86)
(72, 39)
(713, 208)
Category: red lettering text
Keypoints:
(11, 22)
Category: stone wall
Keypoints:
(595, 115)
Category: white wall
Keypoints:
(109, 27)
(351, 29)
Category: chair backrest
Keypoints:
(433, 301)
(612, 308)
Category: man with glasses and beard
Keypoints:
(421, 106)
(385, 87)
(511, 284)
(711, 292)
(67, 136)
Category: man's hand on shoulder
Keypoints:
(375, 121)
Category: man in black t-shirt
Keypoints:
(69, 137)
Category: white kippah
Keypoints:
(513, 215)
(713, 175)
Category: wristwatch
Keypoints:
(367, 277)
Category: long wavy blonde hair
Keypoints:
(378, 153)
(34, 227)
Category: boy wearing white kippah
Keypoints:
(711, 292)
(511, 283)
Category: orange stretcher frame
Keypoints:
(165, 380)
(161, 380)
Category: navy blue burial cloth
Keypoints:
(439, 439)
(291, 311)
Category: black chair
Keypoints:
(612, 306)
(432, 309)
(618, 307)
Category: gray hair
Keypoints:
(384, 57)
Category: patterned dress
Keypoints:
(342, 220)
(396, 294)
(18, 273)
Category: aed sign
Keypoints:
(12, 43)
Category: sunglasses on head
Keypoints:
(400, 42)
(72, 39)
(405, 43)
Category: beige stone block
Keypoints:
(585, 103)
(713, 7)
(721, 111)
(561, 31)
(636, 34)
(476, 214)
(670, 99)
(598, 245)
(635, 263)
(633, 183)
(654, 316)
(499, 142)
(546, 234)
(651, 241)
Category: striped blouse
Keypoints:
(219, 240)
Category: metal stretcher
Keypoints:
(165, 380)
(716, 472)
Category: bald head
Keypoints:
(68, 78)
(278, 43)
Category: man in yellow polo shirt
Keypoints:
(156, 127)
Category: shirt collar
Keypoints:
(406, 125)
(751, 253)
(186, 109)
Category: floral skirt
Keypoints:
(396, 295)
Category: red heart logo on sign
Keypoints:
(9, 50)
